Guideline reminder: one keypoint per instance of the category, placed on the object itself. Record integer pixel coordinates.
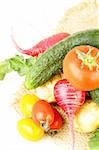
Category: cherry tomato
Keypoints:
(29, 130)
(57, 124)
(26, 104)
(81, 67)
(43, 114)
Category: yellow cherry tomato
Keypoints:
(26, 104)
(29, 130)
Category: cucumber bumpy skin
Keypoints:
(50, 63)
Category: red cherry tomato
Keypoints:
(43, 114)
(57, 124)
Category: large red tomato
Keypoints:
(81, 67)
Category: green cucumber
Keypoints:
(50, 63)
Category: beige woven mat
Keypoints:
(83, 16)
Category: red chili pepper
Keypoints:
(43, 45)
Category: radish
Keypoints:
(70, 100)
(43, 45)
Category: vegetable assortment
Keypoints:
(40, 118)
(51, 62)
(41, 69)
(78, 57)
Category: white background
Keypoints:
(31, 20)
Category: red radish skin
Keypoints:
(43, 45)
(70, 100)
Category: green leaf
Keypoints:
(95, 95)
(94, 141)
(21, 65)
(4, 68)
(17, 63)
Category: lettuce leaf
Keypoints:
(17, 63)
(4, 69)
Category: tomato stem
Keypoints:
(87, 59)
(45, 125)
